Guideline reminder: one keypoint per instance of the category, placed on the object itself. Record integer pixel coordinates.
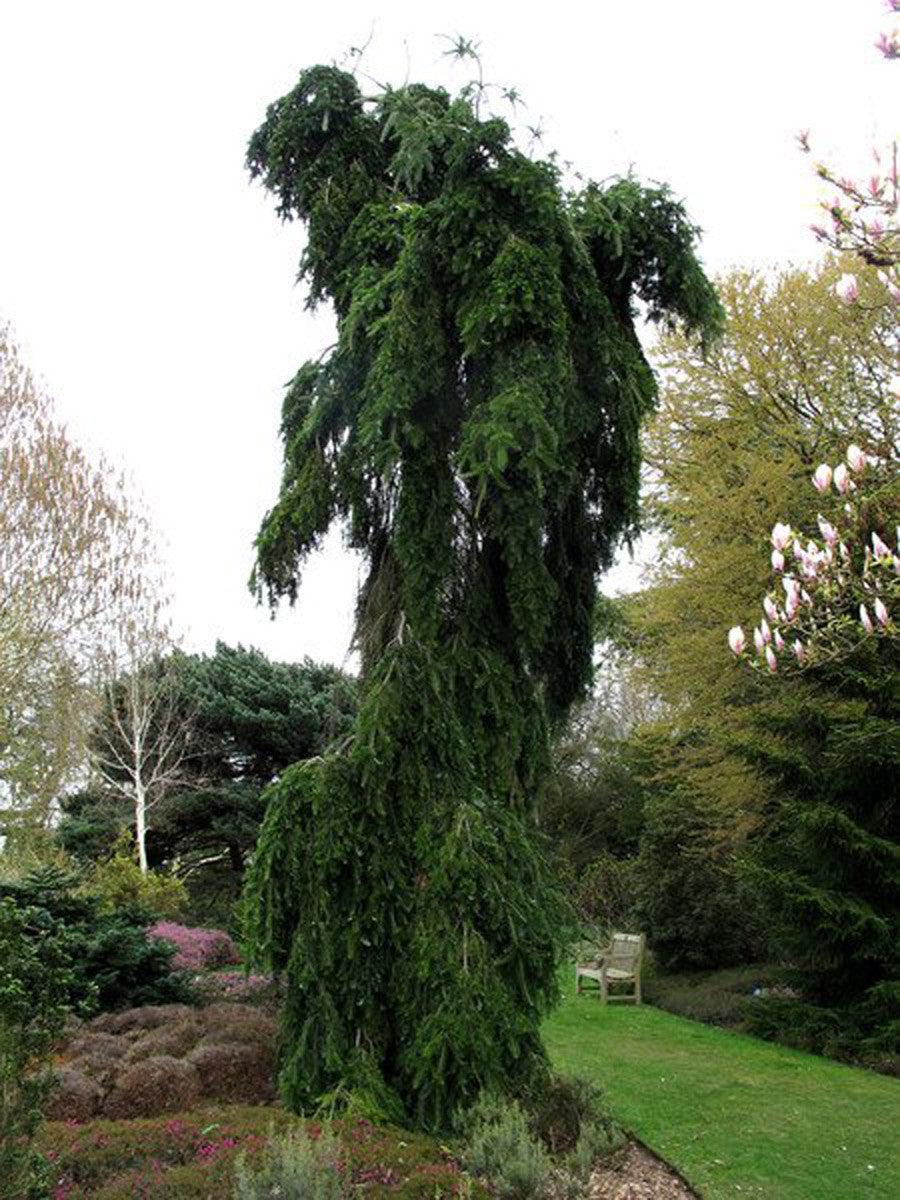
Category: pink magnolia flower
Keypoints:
(779, 641)
(847, 289)
(865, 619)
(777, 560)
(829, 533)
(881, 613)
(736, 639)
(856, 460)
(841, 479)
(799, 650)
(822, 478)
(879, 547)
(771, 660)
(765, 630)
(758, 641)
(770, 610)
(781, 535)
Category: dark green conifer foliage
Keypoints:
(475, 431)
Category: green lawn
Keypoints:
(737, 1116)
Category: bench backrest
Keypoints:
(625, 951)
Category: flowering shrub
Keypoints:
(192, 1156)
(238, 987)
(838, 589)
(196, 949)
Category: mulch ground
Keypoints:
(638, 1175)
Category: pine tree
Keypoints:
(476, 432)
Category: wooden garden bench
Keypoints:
(619, 962)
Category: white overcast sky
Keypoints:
(153, 289)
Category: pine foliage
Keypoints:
(475, 432)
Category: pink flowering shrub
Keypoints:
(196, 949)
(236, 986)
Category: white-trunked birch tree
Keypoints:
(144, 739)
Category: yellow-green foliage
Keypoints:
(118, 880)
(738, 432)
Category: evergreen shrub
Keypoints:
(501, 1148)
(697, 910)
(295, 1164)
(37, 985)
(865, 1033)
(119, 881)
(113, 963)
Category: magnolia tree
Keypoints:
(862, 214)
(836, 588)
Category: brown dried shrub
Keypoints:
(98, 1067)
(237, 1074)
(139, 1019)
(90, 1042)
(73, 1096)
(153, 1086)
(175, 1040)
(226, 1023)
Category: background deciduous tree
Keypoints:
(795, 778)
(74, 560)
(731, 449)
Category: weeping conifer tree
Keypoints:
(475, 431)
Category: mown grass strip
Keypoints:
(737, 1116)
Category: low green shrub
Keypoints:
(573, 1121)
(598, 1140)
(713, 997)
(295, 1164)
(37, 984)
(119, 882)
(866, 1033)
(501, 1147)
(113, 963)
